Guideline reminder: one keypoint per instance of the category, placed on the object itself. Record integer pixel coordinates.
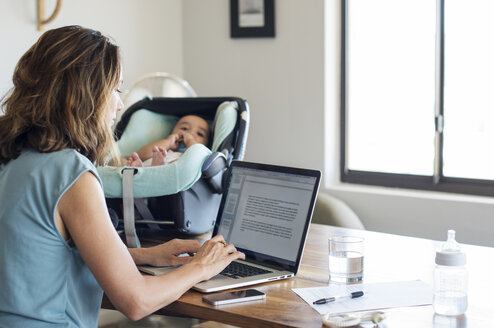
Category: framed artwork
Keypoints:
(252, 18)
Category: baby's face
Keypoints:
(194, 125)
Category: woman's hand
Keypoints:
(166, 254)
(214, 256)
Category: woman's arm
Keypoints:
(166, 254)
(85, 216)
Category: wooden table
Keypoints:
(387, 258)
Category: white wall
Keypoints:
(282, 78)
(294, 120)
(149, 32)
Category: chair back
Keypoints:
(158, 84)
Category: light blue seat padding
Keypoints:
(224, 122)
(145, 127)
(158, 180)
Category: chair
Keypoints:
(158, 84)
(332, 211)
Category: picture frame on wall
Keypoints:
(252, 18)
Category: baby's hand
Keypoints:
(189, 140)
(172, 141)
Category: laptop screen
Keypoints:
(266, 211)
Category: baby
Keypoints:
(189, 130)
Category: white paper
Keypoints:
(376, 296)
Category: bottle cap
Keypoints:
(450, 253)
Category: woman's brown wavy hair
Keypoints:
(62, 85)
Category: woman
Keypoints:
(58, 248)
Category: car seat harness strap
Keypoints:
(128, 208)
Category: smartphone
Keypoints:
(234, 297)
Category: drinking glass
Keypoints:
(346, 259)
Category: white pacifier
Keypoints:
(350, 320)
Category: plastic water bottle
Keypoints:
(450, 279)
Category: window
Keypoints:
(418, 94)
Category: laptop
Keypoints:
(265, 211)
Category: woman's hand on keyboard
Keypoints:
(215, 255)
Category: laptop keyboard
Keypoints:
(239, 270)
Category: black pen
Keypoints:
(337, 298)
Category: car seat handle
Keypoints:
(213, 164)
(213, 169)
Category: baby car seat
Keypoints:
(184, 194)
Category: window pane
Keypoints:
(469, 89)
(390, 85)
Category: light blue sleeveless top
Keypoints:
(43, 280)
